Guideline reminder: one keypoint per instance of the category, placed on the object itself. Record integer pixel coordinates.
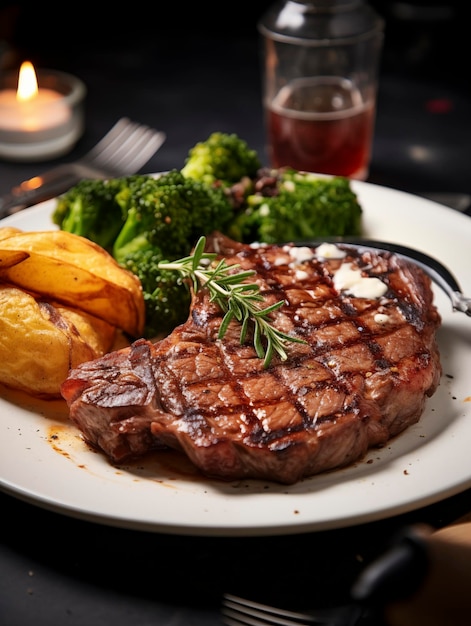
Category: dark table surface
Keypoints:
(58, 570)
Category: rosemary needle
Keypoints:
(237, 300)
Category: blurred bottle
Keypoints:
(320, 74)
(425, 38)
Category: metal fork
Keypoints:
(121, 152)
(237, 611)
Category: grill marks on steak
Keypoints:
(362, 377)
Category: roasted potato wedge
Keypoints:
(73, 270)
(11, 258)
(45, 339)
(8, 231)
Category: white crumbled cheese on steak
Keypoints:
(351, 280)
(381, 318)
(330, 251)
(300, 254)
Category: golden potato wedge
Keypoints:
(8, 231)
(9, 258)
(40, 341)
(98, 335)
(73, 270)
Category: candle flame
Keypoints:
(27, 82)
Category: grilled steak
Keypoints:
(369, 362)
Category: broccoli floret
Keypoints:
(166, 296)
(172, 211)
(221, 159)
(165, 217)
(297, 206)
(90, 209)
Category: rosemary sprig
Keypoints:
(237, 300)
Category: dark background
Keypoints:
(138, 61)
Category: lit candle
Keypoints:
(29, 108)
(39, 122)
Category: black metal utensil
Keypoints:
(440, 274)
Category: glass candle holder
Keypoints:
(48, 125)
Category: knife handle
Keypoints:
(45, 186)
(397, 573)
(423, 580)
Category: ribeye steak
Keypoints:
(363, 376)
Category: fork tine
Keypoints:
(242, 612)
(236, 618)
(111, 138)
(134, 150)
(131, 138)
(125, 148)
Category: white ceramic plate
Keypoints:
(44, 461)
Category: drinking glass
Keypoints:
(320, 75)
